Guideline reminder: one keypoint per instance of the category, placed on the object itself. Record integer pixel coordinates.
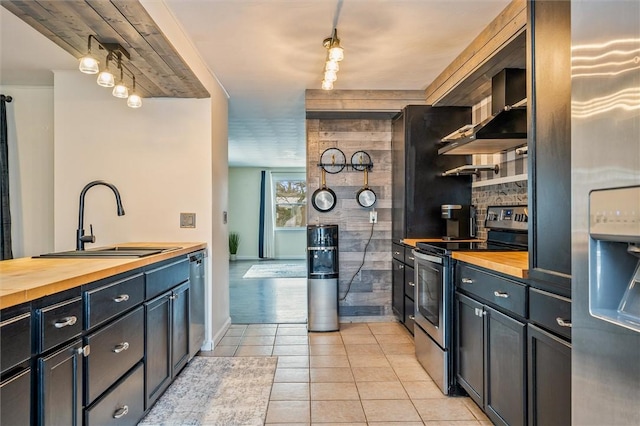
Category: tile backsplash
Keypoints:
(502, 194)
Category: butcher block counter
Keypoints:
(514, 263)
(26, 279)
(413, 242)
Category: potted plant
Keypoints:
(234, 242)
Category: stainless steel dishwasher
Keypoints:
(197, 279)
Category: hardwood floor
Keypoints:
(266, 300)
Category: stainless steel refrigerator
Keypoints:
(605, 134)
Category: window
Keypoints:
(290, 200)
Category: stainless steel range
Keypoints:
(434, 289)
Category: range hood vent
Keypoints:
(507, 126)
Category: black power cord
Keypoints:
(364, 255)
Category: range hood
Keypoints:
(507, 126)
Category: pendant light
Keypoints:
(134, 100)
(120, 90)
(105, 78)
(88, 63)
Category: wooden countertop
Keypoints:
(26, 279)
(414, 241)
(515, 263)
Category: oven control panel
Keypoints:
(507, 217)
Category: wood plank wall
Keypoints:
(370, 295)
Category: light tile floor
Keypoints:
(365, 374)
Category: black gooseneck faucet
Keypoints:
(80, 237)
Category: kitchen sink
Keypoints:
(110, 252)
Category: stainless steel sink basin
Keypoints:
(110, 252)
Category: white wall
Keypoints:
(244, 216)
(30, 131)
(157, 156)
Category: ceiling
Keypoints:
(266, 53)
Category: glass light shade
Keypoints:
(327, 85)
(332, 66)
(106, 79)
(89, 65)
(336, 53)
(120, 91)
(134, 101)
(330, 76)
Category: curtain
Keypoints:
(5, 212)
(266, 236)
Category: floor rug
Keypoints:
(217, 391)
(277, 270)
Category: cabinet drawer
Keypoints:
(497, 291)
(398, 252)
(108, 301)
(409, 258)
(166, 277)
(409, 282)
(123, 405)
(15, 340)
(59, 323)
(550, 311)
(114, 350)
(409, 312)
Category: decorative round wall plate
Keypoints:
(360, 160)
(333, 160)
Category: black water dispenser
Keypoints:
(322, 279)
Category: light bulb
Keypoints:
(327, 85)
(134, 101)
(120, 91)
(89, 65)
(330, 76)
(336, 53)
(106, 79)
(332, 66)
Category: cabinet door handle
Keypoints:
(412, 317)
(121, 412)
(563, 323)
(396, 253)
(412, 284)
(467, 281)
(173, 296)
(501, 294)
(412, 258)
(121, 298)
(65, 322)
(121, 347)
(400, 266)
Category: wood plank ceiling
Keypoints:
(158, 67)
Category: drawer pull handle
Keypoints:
(121, 298)
(121, 412)
(397, 253)
(467, 281)
(412, 317)
(65, 322)
(412, 284)
(121, 347)
(400, 266)
(412, 258)
(501, 294)
(563, 323)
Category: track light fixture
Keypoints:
(89, 64)
(335, 54)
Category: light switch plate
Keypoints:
(187, 220)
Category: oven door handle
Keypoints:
(427, 257)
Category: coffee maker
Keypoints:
(460, 221)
